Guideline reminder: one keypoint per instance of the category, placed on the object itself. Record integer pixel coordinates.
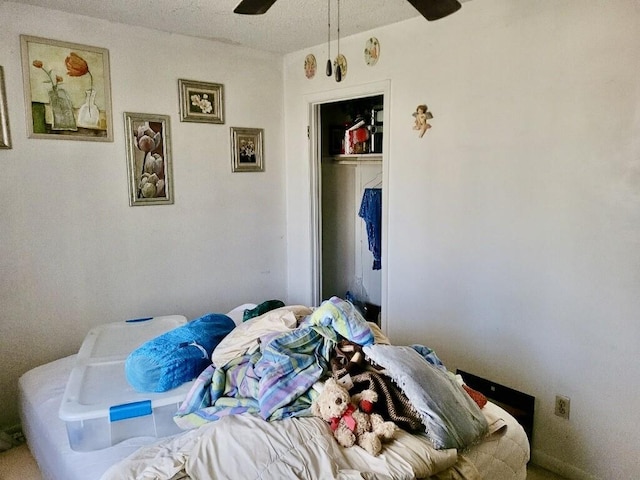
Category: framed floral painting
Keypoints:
(201, 102)
(67, 90)
(246, 150)
(5, 138)
(148, 139)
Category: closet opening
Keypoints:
(350, 181)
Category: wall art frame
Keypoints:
(247, 150)
(5, 136)
(201, 102)
(67, 88)
(149, 160)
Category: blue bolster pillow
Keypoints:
(177, 356)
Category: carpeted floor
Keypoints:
(18, 464)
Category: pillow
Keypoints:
(177, 356)
(451, 417)
(246, 336)
(237, 313)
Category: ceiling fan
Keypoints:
(429, 9)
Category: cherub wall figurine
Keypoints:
(422, 114)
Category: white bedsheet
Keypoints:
(502, 456)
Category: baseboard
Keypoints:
(554, 465)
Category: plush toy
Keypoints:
(348, 417)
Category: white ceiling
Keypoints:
(288, 26)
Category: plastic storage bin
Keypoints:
(99, 406)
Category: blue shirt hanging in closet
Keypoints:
(371, 213)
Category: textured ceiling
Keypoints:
(289, 25)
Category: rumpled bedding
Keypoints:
(301, 448)
(275, 381)
(273, 377)
(304, 448)
(246, 337)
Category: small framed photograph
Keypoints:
(201, 102)
(148, 140)
(5, 138)
(67, 90)
(246, 150)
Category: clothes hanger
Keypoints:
(370, 184)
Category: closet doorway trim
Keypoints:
(314, 102)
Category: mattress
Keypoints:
(40, 395)
(501, 456)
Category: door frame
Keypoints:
(314, 102)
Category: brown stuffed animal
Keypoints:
(349, 423)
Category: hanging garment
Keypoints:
(371, 213)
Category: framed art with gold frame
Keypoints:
(5, 137)
(201, 102)
(67, 90)
(246, 150)
(149, 164)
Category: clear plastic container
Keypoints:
(99, 406)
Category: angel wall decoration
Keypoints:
(421, 115)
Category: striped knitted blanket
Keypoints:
(392, 403)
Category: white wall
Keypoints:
(73, 254)
(514, 223)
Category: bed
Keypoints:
(245, 445)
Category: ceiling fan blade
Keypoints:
(435, 9)
(253, 7)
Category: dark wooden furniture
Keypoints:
(518, 404)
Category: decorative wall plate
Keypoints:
(340, 65)
(372, 51)
(310, 66)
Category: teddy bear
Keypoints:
(349, 418)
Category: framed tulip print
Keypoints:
(67, 90)
(148, 139)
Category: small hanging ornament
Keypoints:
(329, 71)
(340, 62)
(340, 65)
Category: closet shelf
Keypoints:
(355, 159)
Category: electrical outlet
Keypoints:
(563, 405)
